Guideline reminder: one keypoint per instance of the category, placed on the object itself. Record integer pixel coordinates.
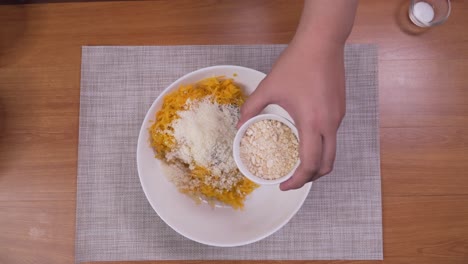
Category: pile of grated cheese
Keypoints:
(204, 134)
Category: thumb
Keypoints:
(256, 102)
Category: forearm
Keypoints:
(325, 23)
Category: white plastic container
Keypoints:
(236, 149)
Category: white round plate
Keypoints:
(266, 210)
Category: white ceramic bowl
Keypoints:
(236, 148)
(266, 210)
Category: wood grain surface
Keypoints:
(423, 82)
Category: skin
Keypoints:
(308, 81)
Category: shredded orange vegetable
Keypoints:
(222, 91)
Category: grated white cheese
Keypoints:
(204, 134)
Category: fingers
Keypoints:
(256, 102)
(328, 155)
(310, 151)
(317, 158)
(300, 177)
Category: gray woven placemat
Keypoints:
(341, 219)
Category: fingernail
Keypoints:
(283, 187)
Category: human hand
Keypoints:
(310, 86)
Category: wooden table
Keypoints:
(423, 78)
